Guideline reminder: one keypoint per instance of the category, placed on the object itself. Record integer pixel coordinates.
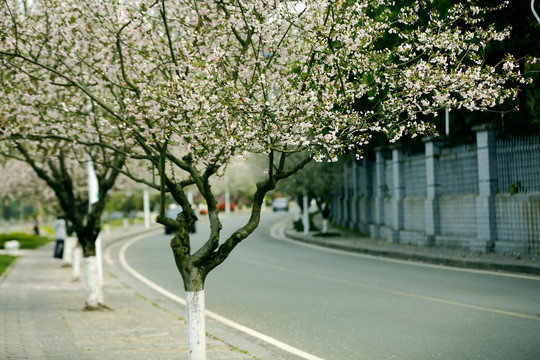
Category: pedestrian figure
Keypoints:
(60, 234)
(36, 226)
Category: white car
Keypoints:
(280, 204)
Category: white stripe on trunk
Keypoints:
(69, 250)
(196, 325)
(94, 292)
(77, 257)
(305, 215)
(99, 258)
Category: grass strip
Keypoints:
(26, 241)
(5, 261)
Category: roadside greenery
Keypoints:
(5, 261)
(26, 241)
(299, 225)
(117, 223)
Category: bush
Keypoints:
(26, 241)
(299, 224)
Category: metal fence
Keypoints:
(518, 162)
(484, 196)
(458, 171)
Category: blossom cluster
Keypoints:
(219, 78)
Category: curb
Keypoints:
(125, 235)
(430, 259)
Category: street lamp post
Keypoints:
(534, 12)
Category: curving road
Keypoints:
(340, 306)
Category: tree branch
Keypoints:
(121, 57)
(78, 85)
(168, 33)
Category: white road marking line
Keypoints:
(388, 291)
(210, 314)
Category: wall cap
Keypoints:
(484, 127)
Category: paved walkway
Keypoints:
(41, 317)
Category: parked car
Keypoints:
(115, 215)
(172, 213)
(221, 206)
(203, 209)
(280, 204)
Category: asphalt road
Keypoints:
(338, 306)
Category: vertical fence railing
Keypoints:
(455, 214)
(518, 202)
(519, 165)
(414, 171)
(458, 171)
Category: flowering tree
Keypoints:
(187, 86)
(316, 181)
(19, 182)
(65, 176)
(34, 132)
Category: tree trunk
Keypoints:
(94, 290)
(196, 325)
(77, 256)
(305, 214)
(69, 251)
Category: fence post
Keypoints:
(353, 200)
(486, 212)
(339, 205)
(334, 206)
(378, 219)
(431, 205)
(364, 201)
(346, 214)
(398, 219)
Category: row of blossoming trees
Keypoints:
(185, 86)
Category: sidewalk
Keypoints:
(352, 242)
(40, 312)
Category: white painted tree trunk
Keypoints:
(196, 325)
(77, 257)
(297, 213)
(69, 250)
(305, 215)
(325, 226)
(94, 291)
(99, 259)
(146, 206)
